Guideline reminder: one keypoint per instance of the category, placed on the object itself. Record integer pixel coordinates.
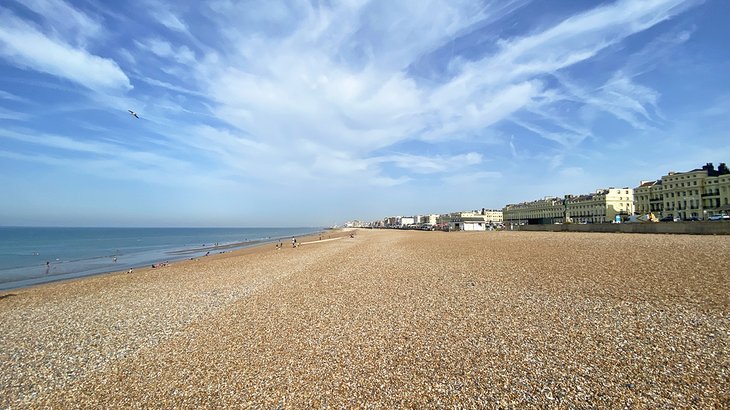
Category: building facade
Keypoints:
(548, 210)
(648, 198)
(602, 206)
(493, 216)
(471, 220)
(696, 194)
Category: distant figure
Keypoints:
(293, 242)
(130, 270)
(114, 259)
(48, 267)
(207, 253)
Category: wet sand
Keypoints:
(386, 319)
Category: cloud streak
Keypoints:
(25, 46)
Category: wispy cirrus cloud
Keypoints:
(13, 115)
(12, 97)
(285, 87)
(68, 22)
(25, 46)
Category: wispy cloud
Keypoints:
(167, 18)
(13, 115)
(68, 22)
(421, 164)
(12, 97)
(287, 86)
(27, 47)
(165, 50)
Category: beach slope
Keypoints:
(386, 319)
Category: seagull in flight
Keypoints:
(133, 114)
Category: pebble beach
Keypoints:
(386, 319)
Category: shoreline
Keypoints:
(176, 258)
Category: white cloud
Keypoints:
(621, 97)
(164, 49)
(113, 159)
(66, 20)
(164, 15)
(12, 97)
(421, 164)
(339, 76)
(25, 46)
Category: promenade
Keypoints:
(387, 319)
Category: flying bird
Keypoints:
(133, 114)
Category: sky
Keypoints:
(312, 113)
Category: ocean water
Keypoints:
(30, 256)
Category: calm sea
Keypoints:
(30, 256)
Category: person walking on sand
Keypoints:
(293, 242)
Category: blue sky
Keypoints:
(298, 113)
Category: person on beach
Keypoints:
(293, 242)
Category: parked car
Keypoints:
(692, 219)
(669, 219)
(719, 218)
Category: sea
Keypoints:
(34, 255)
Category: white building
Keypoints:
(604, 205)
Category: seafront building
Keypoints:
(601, 206)
(696, 194)
(493, 216)
(604, 205)
(471, 220)
(426, 219)
(648, 198)
(542, 211)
